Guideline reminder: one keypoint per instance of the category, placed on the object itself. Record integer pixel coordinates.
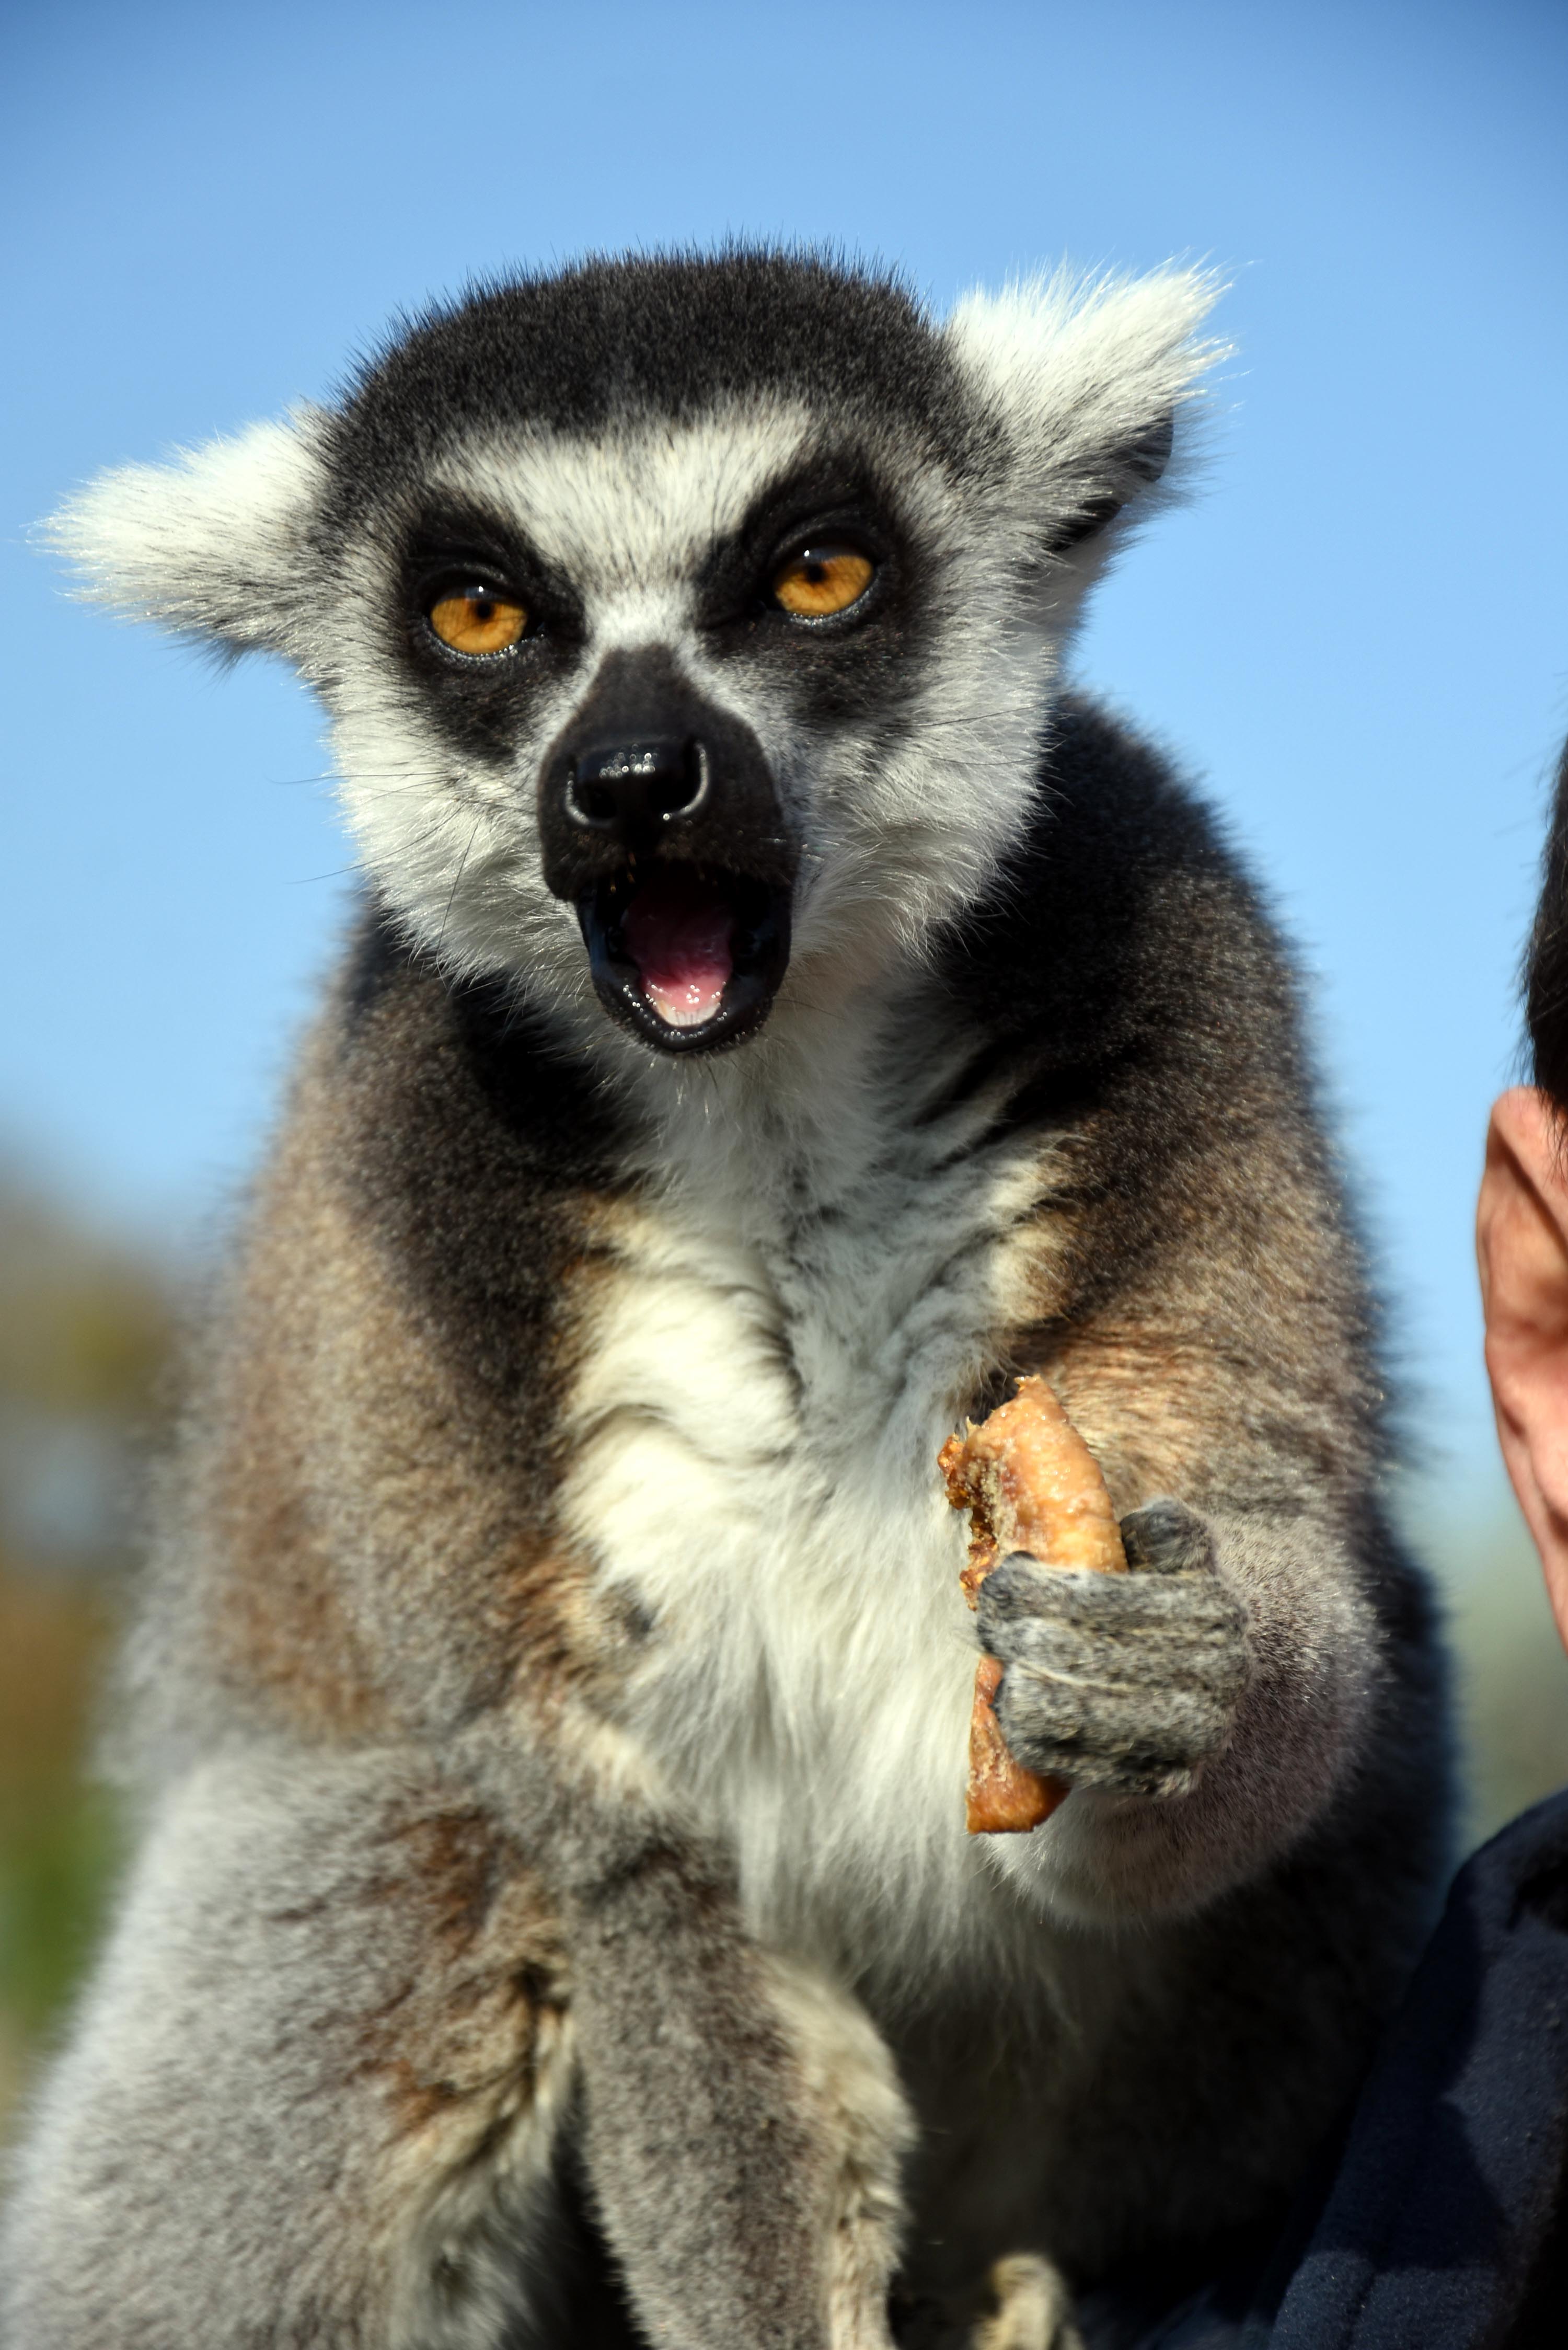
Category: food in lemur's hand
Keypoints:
(1029, 1482)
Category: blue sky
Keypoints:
(1356, 634)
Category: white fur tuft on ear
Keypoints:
(1085, 376)
(214, 545)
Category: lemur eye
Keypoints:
(477, 620)
(822, 579)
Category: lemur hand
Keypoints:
(1124, 1683)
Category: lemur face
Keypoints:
(674, 697)
(687, 629)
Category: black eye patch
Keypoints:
(849, 666)
(452, 540)
(828, 500)
(483, 705)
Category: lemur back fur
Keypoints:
(555, 1921)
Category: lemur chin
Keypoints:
(782, 1010)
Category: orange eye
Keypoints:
(821, 580)
(478, 620)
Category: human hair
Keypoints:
(1546, 957)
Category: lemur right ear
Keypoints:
(1084, 377)
(214, 545)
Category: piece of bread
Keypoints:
(1029, 1482)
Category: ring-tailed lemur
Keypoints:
(782, 1012)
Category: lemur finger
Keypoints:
(1019, 1595)
(1133, 1774)
(1198, 1656)
(1179, 1725)
(1165, 1537)
(1107, 1735)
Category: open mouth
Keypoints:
(689, 957)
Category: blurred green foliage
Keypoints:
(86, 1342)
(86, 1324)
(56, 1829)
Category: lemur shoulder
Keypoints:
(783, 1012)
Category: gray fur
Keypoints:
(555, 1923)
(199, 2162)
(1127, 1683)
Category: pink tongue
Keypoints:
(677, 934)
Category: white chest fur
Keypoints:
(792, 1326)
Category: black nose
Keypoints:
(629, 791)
(650, 766)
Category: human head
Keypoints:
(1521, 1236)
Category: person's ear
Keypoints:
(1521, 1242)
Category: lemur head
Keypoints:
(682, 623)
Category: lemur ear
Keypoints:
(1085, 377)
(215, 545)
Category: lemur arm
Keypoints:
(1206, 1708)
(320, 2084)
(1209, 1706)
(1202, 1317)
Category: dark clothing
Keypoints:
(1440, 2218)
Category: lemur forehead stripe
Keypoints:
(641, 504)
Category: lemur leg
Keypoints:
(1033, 2308)
(864, 2129)
(1021, 2303)
(314, 2090)
(742, 2124)
(743, 2129)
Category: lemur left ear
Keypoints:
(1085, 377)
(215, 545)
